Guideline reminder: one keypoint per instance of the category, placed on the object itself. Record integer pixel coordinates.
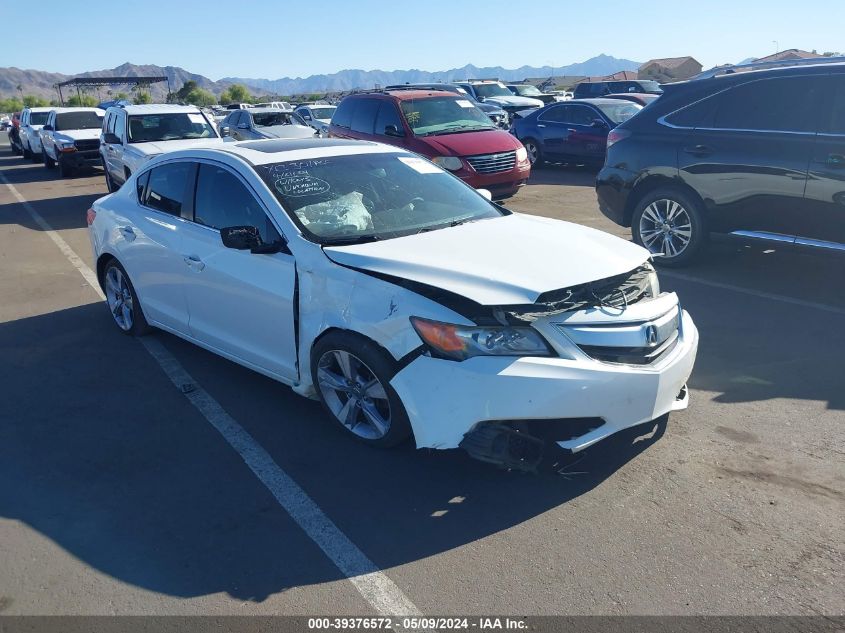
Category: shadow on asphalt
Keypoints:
(563, 174)
(102, 455)
(67, 212)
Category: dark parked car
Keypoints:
(531, 91)
(571, 131)
(442, 126)
(496, 114)
(588, 89)
(642, 98)
(760, 154)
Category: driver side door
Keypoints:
(240, 304)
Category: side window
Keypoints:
(387, 115)
(365, 115)
(834, 120)
(166, 187)
(222, 200)
(110, 123)
(697, 115)
(141, 184)
(781, 104)
(119, 125)
(343, 114)
(557, 114)
(582, 115)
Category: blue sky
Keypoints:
(263, 38)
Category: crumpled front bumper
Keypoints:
(445, 400)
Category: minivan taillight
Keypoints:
(90, 215)
(614, 136)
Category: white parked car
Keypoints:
(403, 299)
(32, 119)
(278, 105)
(71, 139)
(131, 135)
(318, 116)
(259, 123)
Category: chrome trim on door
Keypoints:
(790, 239)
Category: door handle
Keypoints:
(698, 150)
(128, 233)
(835, 160)
(540, 125)
(194, 262)
(572, 130)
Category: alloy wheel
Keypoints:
(533, 152)
(354, 394)
(665, 227)
(119, 298)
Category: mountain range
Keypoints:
(41, 83)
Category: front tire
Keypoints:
(124, 306)
(109, 182)
(49, 163)
(65, 171)
(352, 377)
(669, 223)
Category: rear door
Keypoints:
(552, 128)
(240, 303)
(585, 141)
(748, 156)
(825, 197)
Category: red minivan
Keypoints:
(443, 127)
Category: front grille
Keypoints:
(631, 355)
(493, 163)
(87, 145)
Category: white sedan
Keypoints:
(406, 301)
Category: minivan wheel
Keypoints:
(535, 154)
(669, 223)
(122, 301)
(352, 377)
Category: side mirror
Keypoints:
(111, 138)
(392, 130)
(485, 193)
(243, 126)
(47, 128)
(306, 116)
(247, 238)
(224, 130)
(599, 123)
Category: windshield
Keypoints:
(79, 121)
(269, 119)
(169, 127)
(444, 115)
(528, 91)
(650, 86)
(620, 112)
(323, 113)
(492, 90)
(38, 118)
(349, 199)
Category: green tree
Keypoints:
(87, 101)
(12, 104)
(236, 93)
(31, 101)
(200, 97)
(143, 97)
(121, 96)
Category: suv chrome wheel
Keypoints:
(665, 227)
(119, 298)
(354, 394)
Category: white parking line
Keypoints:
(754, 293)
(373, 584)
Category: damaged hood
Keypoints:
(287, 131)
(509, 260)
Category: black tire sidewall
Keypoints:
(140, 327)
(699, 227)
(383, 366)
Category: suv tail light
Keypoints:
(90, 215)
(614, 136)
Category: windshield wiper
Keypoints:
(352, 239)
(459, 129)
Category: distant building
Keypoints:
(670, 69)
(789, 53)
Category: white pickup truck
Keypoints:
(71, 139)
(132, 135)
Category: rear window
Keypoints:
(782, 104)
(834, 122)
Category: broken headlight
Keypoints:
(653, 283)
(460, 342)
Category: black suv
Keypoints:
(588, 89)
(759, 153)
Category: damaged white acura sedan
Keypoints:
(403, 299)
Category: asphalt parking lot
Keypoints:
(118, 496)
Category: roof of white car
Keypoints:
(79, 109)
(158, 108)
(269, 109)
(268, 151)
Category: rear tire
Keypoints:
(535, 153)
(123, 303)
(669, 223)
(352, 377)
